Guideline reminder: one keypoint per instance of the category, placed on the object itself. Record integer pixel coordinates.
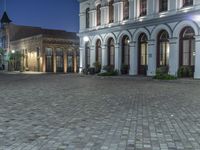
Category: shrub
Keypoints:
(108, 68)
(109, 71)
(112, 73)
(185, 71)
(91, 70)
(97, 67)
(162, 74)
(124, 69)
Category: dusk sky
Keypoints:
(52, 14)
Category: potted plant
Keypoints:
(124, 69)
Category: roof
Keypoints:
(5, 18)
(19, 32)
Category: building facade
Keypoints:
(142, 34)
(36, 49)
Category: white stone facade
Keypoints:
(153, 23)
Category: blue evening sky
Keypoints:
(52, 14)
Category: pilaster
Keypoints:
(151, 58)
(133, 59)
(173, 56)
(197, 57)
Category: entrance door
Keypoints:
(142, 55)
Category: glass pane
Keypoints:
(186, 48)
(193, 52)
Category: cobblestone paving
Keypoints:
(69, 112)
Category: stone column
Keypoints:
(173, 56)
(104, 15)
(133, 59)
(75, 62)
(197, 57)
(65, 60)
(117, 57)
(104, 56)
(131, 9)
(118, 8)
(43, 60)
(93, 18)
(82, 59)
(54, 60)
(92, 56)
(151, 58)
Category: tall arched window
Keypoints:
(143, 8)
(163, 5)
(87, 54)
(111, 11)
(125, 9)
(187, 3)
(87, 18)
(98, 9)
(187, 47)
(142, 54)
(59, 60)
(111, 52)
(125, 50)
(98, 52)
(163, 49)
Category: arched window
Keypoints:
(111, 11)
(142, 54)
(125, 9)
(98, 9)
(111, 52)
(87, 54)
(187, 3)
(163, 49)
(163, 5)
(125, 50)
(87, 17)
(98, 52)
(59, 60)
(143, 8)
(187, 47)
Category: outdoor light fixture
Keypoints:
(13, 51)
(86, 38)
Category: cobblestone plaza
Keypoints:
(72, 112)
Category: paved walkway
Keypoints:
(66, 112)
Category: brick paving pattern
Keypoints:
(70, 112)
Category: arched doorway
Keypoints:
(49, 59)
(111, 52)
(187, 47)
(70, 61)
(59, 60)
(142, 54)
(125, 55)
(98, 52)
(163, 49)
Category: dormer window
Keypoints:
(163, 5)
(143, 8)
(187, 3)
